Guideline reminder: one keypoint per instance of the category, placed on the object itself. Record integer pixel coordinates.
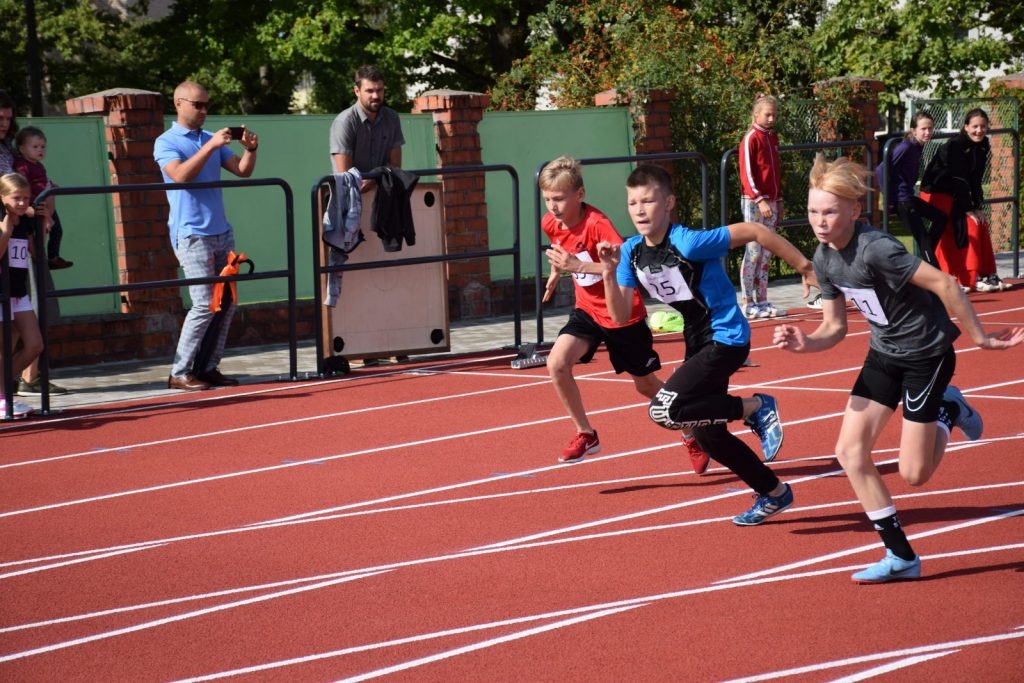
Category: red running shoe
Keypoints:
(582, 445)
(698, 456)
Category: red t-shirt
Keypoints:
(581, 240)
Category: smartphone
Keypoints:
(236, 132)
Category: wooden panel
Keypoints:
(398, 310)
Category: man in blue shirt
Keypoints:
(200, 233)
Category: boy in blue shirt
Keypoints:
(683, 268)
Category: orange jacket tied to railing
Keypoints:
(223, 296)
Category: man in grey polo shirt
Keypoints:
(367, 134)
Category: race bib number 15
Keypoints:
(667, 285)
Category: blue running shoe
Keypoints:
(890, 568)
(969, 420)
(764, 507)
(766, 424)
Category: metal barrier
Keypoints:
(42, 295)
(1013, 198)
(641, 158)
(319, 270)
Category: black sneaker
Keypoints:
(36, 387)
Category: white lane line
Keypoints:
(269, 425)
(178, 617)
(422, 661)
(401, 641)
(904, 663)
(874, 657)
(588, 609)
(199, 597)
(474, 553)
(90, 558)
(317, 459)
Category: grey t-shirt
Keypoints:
(873, 272)
(368, 143)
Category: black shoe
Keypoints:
(215, 379)
(57, 263)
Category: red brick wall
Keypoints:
(457, 141)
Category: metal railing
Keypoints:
(43, 294)
(803, 147)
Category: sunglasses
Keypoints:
(200, 105)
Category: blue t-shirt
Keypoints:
(685, 271)
(193, 212)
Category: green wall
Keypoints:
(292, 148)
(525, 140)
(295, 149)
(76, 156)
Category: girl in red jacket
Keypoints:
(761, 181)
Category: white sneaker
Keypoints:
(19, 410)
(769, 310)
(815, 303)
(997, 282)
(985, 285)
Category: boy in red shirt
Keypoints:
(575, 229)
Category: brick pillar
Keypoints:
(149, 320)
(133, 120)
(652, 121)
(1001, 164)
(456, 117)
(652, 118)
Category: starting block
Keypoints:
(528, 358)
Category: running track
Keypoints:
(412, 524)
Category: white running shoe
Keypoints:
(19, 409)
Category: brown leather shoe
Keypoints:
(215, 379)
(186, 383)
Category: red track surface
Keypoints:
(414, 524)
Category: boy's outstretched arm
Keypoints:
(948, 290)
(741, 233)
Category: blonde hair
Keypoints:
(762, 101)
(12, 182)
(563, 172)
(842, 177)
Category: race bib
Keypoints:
(586, 279)
(17, 247)
(866, 301)
(667, 285)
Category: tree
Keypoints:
(944, 48)
(251, 56)
(83, 49)
(419, 44)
